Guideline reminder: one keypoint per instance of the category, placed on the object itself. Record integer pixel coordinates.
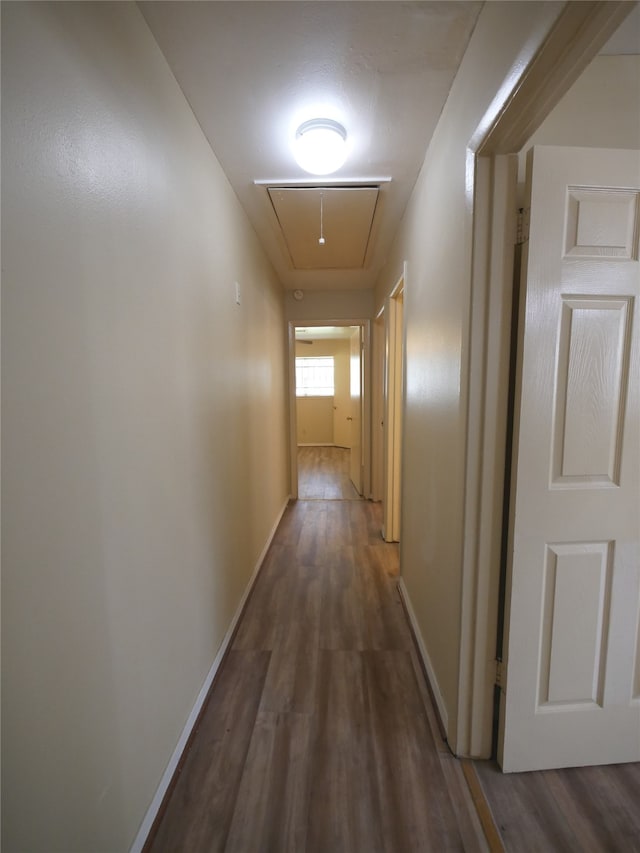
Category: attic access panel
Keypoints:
(347, 220)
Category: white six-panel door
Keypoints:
(573, 670)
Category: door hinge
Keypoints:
(501, 675)
(522, 225)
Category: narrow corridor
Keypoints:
(319, 734)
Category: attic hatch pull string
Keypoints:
(321, 241)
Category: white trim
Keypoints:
(377, 406)
(366, 408)
(393, 408)
(424, 654)
(315, 182)
(292, 402)
(167, 776)
(493, 247)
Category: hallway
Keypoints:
(161, 243)
(319, 734)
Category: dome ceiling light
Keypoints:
(320, 146)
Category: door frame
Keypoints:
(377, 403)
(365, 325)
(529, 93)
(393, 409)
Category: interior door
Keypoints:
(355, 381)
(573, 589)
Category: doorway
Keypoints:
(506, 128)
(329, 424)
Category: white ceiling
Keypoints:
(626, 40)
(254, 71)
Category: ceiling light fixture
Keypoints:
(321, 146)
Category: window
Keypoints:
(314, 377)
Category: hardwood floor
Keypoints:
(586, 809)
(319, 735)
(323, 474)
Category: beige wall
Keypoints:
(599, 111)
(314, 420)
(322, 306)
(317, 419)
(144, 432)
(434, 238)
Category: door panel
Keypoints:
(574, 581)
(342, 398)
(594, 343)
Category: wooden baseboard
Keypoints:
(432, 681)
(485, 815)
(167, 781)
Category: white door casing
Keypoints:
(393, 404)
(377, 406)
(356, 409)
(573, 589)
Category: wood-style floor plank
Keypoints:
(602, 812)
(344, 625)
(320, 735)
(198, 815)
(290, 685)
(273, 799)
(323, 474)
(588, 809)
(408, 773)
(269, 602)
(334, 749)
(344, 806)
(376, 566)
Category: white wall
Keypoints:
(435, 239)
(600, 110)
(144, 431)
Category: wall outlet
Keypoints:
(236, 291)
